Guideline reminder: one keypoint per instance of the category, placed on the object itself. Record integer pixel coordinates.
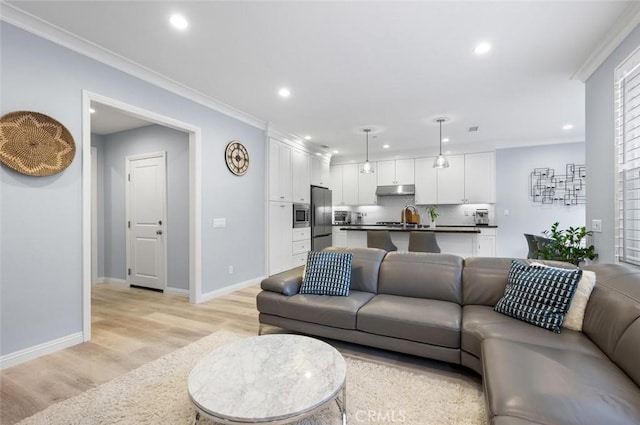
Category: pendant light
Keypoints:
(441, 161)
(366, 167)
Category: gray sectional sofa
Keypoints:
(440, 306)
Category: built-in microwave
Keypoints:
(301, 215)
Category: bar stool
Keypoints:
(423, 242)
(380, 239)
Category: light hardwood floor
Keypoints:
(131, 327)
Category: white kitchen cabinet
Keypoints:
(400, 171)
(301, 245)
(319, 172)
(280, 236)
(486, 243)
(301, 176)
(280, 182)
(339, 237)
(479, 178)
(426, 178)
(367, 185)
(451, 181)
(344, 184)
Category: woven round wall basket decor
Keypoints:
(35, 144)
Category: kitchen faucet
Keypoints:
(407, 207)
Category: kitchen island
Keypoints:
(462, 240)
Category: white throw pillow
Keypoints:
(575, 316)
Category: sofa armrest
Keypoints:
(285, 283)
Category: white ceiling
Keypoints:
(107, 120)
(393, 66)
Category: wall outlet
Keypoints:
(230, 269)
(596, 226)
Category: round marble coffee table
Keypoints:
(268, 379)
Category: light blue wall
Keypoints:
(97, 141)
(41, 217)
(600, 146)
(117, 147)
(512, 193)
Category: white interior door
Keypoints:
(146, 221)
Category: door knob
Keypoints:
(158, 232)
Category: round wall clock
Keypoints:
(237, 158)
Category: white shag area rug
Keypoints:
(156, 393)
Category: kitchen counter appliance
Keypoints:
(342, 217)
(321, 225)
(481, 217)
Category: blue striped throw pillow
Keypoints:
(539, 295)
(327, 273)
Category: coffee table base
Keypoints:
(342, 405)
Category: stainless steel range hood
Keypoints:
(396, 190)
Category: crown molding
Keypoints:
(297, 141)
(23, 20)
(623, 27)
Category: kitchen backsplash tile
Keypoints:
(389, 208)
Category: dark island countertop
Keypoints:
(409, 228)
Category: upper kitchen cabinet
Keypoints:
(400, 171)
(426, 181)
(319, 172)
(344, 184)
(451, 181)
(280, 181)
(479, 178)
(302, 176)
(469, 179)
(367, 183)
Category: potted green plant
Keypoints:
(567, 245)
(433, 214)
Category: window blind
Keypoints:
(627, 123)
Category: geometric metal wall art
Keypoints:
(547, 187)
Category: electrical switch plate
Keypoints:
(230, 269)
(506, 212)
(219, 222)
(596, 226)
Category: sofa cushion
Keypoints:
(539, 295)
(613, 311)
(556, 386)
(339, 312)
(422, 275)
(415, 319)
(327, 273)
(484, 278)
(482, 322)
(365, 267)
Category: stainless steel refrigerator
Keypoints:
(321, 218)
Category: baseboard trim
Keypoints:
(39, 350)
(228, 289)
(113, 281)
(177, 291)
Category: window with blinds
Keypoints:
(628, 160)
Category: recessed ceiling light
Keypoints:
(567, 126)
(482, 48)
(93, 111)
(385, 146)
(284, 92)
(318, 153)
(179, 22)
(445, 140)
(307, 137)
(336, 151)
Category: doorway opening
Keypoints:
(150, 255)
